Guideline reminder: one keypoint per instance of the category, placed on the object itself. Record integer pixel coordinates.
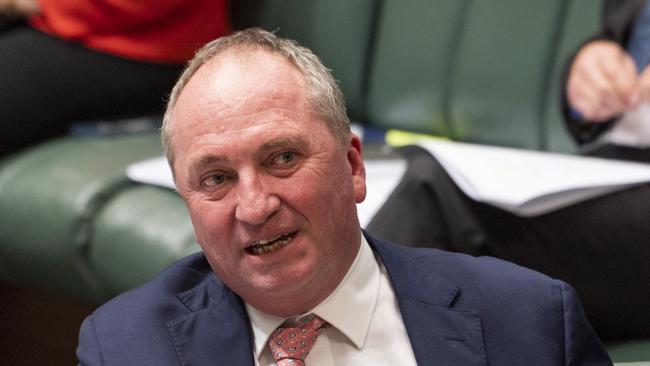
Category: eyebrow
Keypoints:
(207, 160)
(283, 142)
(295, 142)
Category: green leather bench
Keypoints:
(478, 71)
(52, 199)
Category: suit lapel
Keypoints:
(216, 331)
(440, 334)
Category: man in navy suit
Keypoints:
(258, 140)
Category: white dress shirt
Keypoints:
(365, 326)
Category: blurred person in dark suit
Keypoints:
(607, 79)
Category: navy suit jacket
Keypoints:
(458, 310)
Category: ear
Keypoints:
(355, 159)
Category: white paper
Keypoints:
(530, 183)
(633, 129)
(382, 176)
(154, 171)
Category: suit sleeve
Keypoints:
(581, 344)
(88, 351)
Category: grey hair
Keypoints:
(323, 94)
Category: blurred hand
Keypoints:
(603, 81)
(19, 8)
(644, 85)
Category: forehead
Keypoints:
(243, 98)
(239, 84)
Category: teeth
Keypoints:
(270, 245)
(266, 241)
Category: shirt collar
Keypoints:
(349, 308)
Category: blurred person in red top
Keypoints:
(71, 61)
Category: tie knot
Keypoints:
(291, 345)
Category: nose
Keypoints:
(255, 204)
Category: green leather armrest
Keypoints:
(137, 234)
(48, 196)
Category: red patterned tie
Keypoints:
(290, 346)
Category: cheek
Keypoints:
(211, 234)
(312, 195)
(326, 199)
(208, 219)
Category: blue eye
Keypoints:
(214, 180)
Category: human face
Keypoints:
(270, 192)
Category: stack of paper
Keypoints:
(530, 183)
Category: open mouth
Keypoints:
(270, 245)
